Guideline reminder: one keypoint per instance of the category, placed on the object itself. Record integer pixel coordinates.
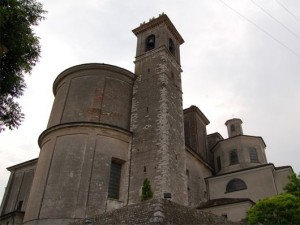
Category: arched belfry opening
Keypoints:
(150, 42)
(171, 46)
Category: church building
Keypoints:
(110, 129)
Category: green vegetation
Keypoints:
(19, 52)
(283, 209)
(146, 190)
(293, 187)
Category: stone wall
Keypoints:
(158, 150)
(158, 211)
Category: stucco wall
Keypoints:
(234, 212)
(260, 183)
(73, 170)
(241, 144)
(87, 130)
(18, 188)
(282, 177)
(196, 171)
(94, 92)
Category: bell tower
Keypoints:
(158, 149)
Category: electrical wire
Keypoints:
(285, 27)
(262, 30)
(286, 9)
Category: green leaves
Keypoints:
(293, 187)
(19, 52)
(10, 113)
(279, 209)
(283, 209)
(146, 190)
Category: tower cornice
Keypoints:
(163, 18)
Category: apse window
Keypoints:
(150, 42)
(253, 155)
(233, 157)
(235, 185)
(114, 180)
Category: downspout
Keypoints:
(275, 186)
(207, 189)
(129, 169)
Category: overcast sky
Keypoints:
(241, 59)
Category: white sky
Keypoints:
(241, 58)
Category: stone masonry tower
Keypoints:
(158, 149)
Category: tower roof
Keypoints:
(233, 120)
(194, 108)
(163, 18)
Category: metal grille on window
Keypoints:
(253, 155)
(114, 180)
(235, 185)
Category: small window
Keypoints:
(253, 155)
(114, 180)
(150, 42)
(219, 163)
(232, 128)
(19, 206)
(234, 159)
(171, 46)
(235, 185)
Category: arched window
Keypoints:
(171, 46)
(233, 157)
(236, 185)
(150, 42)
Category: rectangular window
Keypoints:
(187, 133)
(233, 157)
(253, 155)
(114, 180)
(224, 215)
(219, 163)
(19, 206)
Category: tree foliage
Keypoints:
(283, 209)
(293, 187)
(146, 190)
(19, 52)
